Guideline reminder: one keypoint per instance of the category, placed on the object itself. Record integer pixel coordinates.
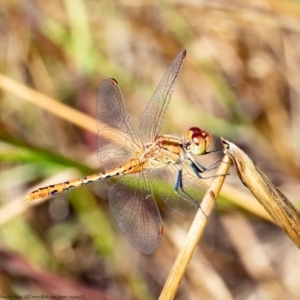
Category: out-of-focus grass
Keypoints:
(240, 80)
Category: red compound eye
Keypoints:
(192, 131)
(195, 129)
(197, 137)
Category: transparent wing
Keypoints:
(133, 206)
(116, 137)
(186, 202)
(154, 114)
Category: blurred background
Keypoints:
(240, 80)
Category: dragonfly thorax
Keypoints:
(164, 150)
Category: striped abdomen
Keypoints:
(132, 166)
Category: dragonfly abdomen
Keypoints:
(132, 166)
(55, 189)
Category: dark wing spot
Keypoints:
(113, 81)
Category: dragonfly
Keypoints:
(146, 163)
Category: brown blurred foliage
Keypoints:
(240, 81)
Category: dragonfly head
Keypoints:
(199, 140)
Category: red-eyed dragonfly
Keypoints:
(146, 164)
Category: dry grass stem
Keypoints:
(275, 203)
(195, 233)
(49, 104)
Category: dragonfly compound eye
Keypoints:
(192, 131)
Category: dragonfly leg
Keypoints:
(180, 187)
(202, 168)
(198, 168)
(178, 181)
(213, 151)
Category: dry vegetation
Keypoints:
(240, 81)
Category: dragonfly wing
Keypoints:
(154, 114)
(117, 139)
(133, 206)
(186, 202)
